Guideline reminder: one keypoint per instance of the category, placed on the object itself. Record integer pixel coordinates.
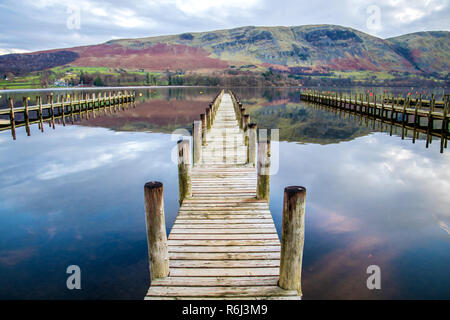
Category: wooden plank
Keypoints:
(220, 249)
(241, 236)
(224, 263)
(223, 242)
(216, 281)
(228, 225)
(221, 272)
(223, 255)
(261, 291)
(223, 231)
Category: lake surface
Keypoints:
(74, 195)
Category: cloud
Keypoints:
(12, 50)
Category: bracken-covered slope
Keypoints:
(302, 49)
(427, 51)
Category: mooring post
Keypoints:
(197, 140)
(184, 169)
(203, 120)
(263, 169)
(241, 118)
(26, 115)
(208, 118)
(156, 230)
(292, 238)
(252, 142)
(12, 118)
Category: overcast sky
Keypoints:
(31, 25)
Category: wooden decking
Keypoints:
(223, 244)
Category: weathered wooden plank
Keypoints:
(241, 236)
(226, 248)
(216, 281)
(224, 255)
(221, 221)
(247, 231)
(224, 263)
(223, 242)
(229, 225)
(221, 272)
(261, 291)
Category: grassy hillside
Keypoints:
(249, 56)
(429, 52)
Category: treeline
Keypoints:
(232, 78)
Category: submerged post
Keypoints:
(263, 169)
(292, 238)
(184, 169)
(197, 140)
(252, 142)
(156, 230)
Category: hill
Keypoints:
(295, 53)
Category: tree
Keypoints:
(98, 82)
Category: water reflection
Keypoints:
(374, 200)
(74, 196)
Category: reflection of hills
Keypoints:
(269, 108)
(298, 122)
(154, 115)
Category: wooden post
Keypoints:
(263, 168)
(430, 122)
(41, 114)
(93, 104)
(156, 230)
(203, 119)
(292, 238)
(71, 109)
(208, 118)
(63, 111)
(26, 115)
(241, 118)
(184, 169)
(252, 142)
(197, 140)
(246, 121)
(53, 110)
(444, 125)
(12, 118)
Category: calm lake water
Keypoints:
(74, 195)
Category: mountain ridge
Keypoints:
(304, 50)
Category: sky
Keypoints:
(32, 25)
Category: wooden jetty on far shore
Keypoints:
(66, 107)
(407, 113)
(223, 244)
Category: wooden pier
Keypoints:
(223, 244)
(66, 107)
(416, 115)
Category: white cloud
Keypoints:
(12, 50)
(101, 21)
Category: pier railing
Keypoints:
(66, 107)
